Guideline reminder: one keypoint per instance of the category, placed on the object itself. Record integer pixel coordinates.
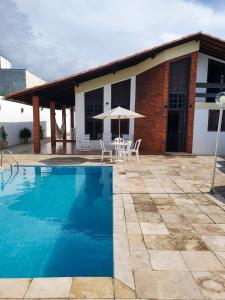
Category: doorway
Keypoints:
(178, 105)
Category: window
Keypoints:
(216, 74)
(120, 96)
(213, 120)
(93, 107)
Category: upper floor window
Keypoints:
(213, 120)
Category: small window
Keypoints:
(213, 119)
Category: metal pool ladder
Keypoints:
(15, 162)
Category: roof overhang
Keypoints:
(62, 91)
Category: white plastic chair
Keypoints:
(135, 149)
(126, 151)
(119, 146)
(104, 150)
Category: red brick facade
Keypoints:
(152, 88)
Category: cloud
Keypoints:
(54, 38)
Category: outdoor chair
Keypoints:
(135, 150)
(105, 151)
(119, 146)
(126, 151)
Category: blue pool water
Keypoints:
(56, 221)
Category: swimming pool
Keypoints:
(56, 222)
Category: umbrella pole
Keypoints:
(119, 127)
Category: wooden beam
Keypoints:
(64, 122)
(36, 124)
(53, 124)
(72, 110)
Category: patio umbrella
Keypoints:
(118, 113)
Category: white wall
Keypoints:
(32, 80)
(13, 128)
(80, 115)
(10, 113)
(204, 140)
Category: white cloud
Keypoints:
(54, 38)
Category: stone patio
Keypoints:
(169, 233)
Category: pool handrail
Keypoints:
(3, 153)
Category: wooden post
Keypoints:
(64, 122)
(53, 125)
(36, 125)
(72, 109)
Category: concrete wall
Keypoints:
(12, 80)
(10, 112)
(203, 140)
(5, 63)
(13, 128)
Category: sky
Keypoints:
(57, 38)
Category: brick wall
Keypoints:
(152, 101)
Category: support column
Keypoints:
(72, 110)
(36, 124)
(53, 125)
(64, 122)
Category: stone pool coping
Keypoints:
(135, 276)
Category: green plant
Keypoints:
(25, 133)
(3, 135)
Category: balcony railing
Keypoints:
(216, 87)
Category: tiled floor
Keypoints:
(169, 234)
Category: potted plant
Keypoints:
(3, 138)
(25, 135)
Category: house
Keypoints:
(173, 85)
(15, 116)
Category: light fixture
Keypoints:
(220, 101)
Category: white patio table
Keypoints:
(118, 147)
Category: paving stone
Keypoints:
(215, 243)
(168, 209)
(211, 209)
(173, 218)
(92, 287)
(140, 258)
(169, 242)
(49, 288)
(217, 218)
(122, 291)
(167, 260)
(146, 208)
(221, 257)
(176, 285)
(201, 261)
(151, 217)
(13, 288)
(153, 228)
(142, 198)
(212, 285)
(145, 283)
(133, 227)
(208, 229)
(198, 218)
(136, 241)
(181, 229)
(222, 226)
